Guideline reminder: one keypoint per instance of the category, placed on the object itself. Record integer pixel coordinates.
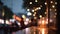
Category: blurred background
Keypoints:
(29, 16)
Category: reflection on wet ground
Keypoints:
(42, 29)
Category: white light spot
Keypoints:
(27, 19)
(39, 7)
(25, 22)
(29, 14)
(28, 9)
(36, 1)
(23, 16)
(30, 2)
(53, 6)
(51, 2)
(51, 20)
(45, 3)
(1, 21)
(12, 20)
(32, 10)
(40, 16)
(7, 22)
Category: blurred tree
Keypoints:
(1, 7)
(7, 12)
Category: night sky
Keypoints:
(15, 5)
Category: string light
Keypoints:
(53, 6)
(7, 22)
(30, 2)
(36, 1)
(45, 3)
(35, 17)
(55, 2)
(33, 14)
(45, 12)
(39, 7)
(55, 10)
(32, 10)
(23, 16)
(28, 9)
(51, 2)
(40, 16)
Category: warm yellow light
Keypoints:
(23, 16)
(33, 14)
(45, 3)
(55, 13)
(36, 9)
(35, 17)
(3, 13)
(55, 2)
(55, 9)
(51, 20)
(39, 21)
(43, 22)
(32, 10)
(1, 21)
(17, 18)
(46, 21)
(43, 31)
(51, 2)
(7, 22)
(53, 6)
(36, 0)
(45, 12)
(34, 32)
(40, 16)
(30, 2)
(25, 23)
(28, 9)
(39, 7)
